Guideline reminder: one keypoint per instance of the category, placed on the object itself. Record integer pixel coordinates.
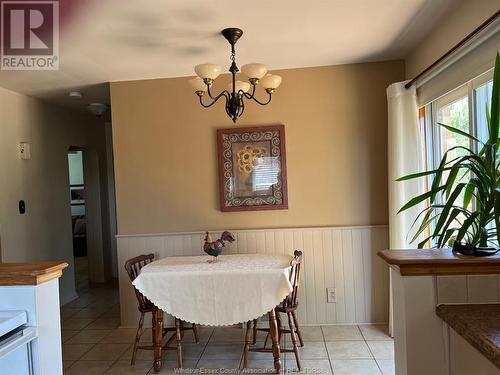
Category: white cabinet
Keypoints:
(33, 291)
(466, 360)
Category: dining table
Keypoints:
(233, 289)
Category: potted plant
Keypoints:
(472, 177)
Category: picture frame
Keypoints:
(77, 195)
(252, 168)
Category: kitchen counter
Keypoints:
(439, 262)
(30, 273)
(478, 324)
(33, 290)
(419, 333)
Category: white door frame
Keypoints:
(93, 213)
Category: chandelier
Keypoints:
(237, 90)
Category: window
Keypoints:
(463, 108)
(482, 95)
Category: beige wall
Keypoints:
(44, 232)
(465, 17)
(335, 123)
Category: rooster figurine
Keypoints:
(214, 248)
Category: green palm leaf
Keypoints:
(458, 131)
(447, 207)
(418, 199)
(466, 225)
(419, 174)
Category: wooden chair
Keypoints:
(288, 307)
(133, 267)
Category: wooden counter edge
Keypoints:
(15, 274)
(425, 264)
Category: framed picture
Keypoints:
(252, 168)
(77, 194)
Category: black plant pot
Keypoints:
(463, 249)
(473, 250)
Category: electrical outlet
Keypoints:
(331, 295)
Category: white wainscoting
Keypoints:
(340, 257)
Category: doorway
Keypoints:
(78, 218)
(86, 217)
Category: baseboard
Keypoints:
(67, 298)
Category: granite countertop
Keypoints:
(478, 324)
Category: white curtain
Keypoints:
(404, 149)
(404, 157)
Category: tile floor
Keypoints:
(94, 345)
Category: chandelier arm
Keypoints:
(222, 94)
(250, 96)
(242, 93)
(263, 103)
(242, 107)
(209, 92)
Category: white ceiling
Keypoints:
(115, 40)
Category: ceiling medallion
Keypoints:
(237, 90)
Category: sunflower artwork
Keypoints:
(251, 168)
(248, 159)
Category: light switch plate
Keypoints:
(331, 295)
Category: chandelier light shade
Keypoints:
(239, 85)
(254, 70)
(238, 91)
(208, 72)
(270, 82)
(198, 85)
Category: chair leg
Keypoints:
(153, 322)
(280, 326)
(291, 324)
(254, 340)
(195, 333)
(297, 329)
(178, 337)
(247, 344)
(137, 338)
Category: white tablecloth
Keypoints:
(236, 289)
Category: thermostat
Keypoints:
(24, 151)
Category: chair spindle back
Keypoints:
(133, 267)
(295, 265)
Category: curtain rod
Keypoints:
(455, 47)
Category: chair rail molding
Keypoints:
(344, 258)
